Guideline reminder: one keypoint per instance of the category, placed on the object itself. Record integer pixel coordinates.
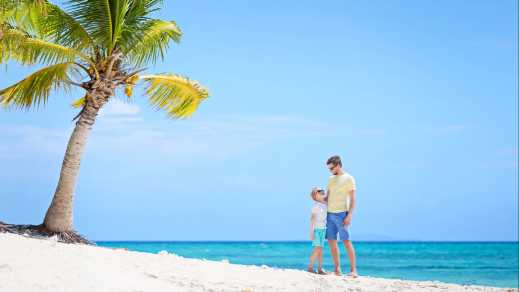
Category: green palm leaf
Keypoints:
(118, 12)
(156, 37)
(28, 50)
(25, 16)
(63, 29)
(96, 17)
(178, 96)
(35, 89)
(47, 21)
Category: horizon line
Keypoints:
(305, 241)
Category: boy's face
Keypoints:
(319, 196)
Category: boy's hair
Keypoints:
(312, 194)
(335, 160)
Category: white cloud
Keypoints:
(117, 113)
(116, 107)
(123, 132)
(216, 138)
(20, 141)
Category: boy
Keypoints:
(317, 230)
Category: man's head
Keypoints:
(334, 164)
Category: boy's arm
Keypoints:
(312, 223)
(347, 220)
(327, 194)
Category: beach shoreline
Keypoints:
(28, 264)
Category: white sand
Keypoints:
(44, 265)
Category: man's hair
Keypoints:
(335, 160)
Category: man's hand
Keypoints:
(347, 221)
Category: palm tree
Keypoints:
(98, 46)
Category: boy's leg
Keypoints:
(313, 256)
(351, 255)
(319, 259)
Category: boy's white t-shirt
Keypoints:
(319, 211)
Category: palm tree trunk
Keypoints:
(59, 214)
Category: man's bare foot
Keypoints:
(321, 272)
(337, 272)
(353, 274)
(310, 270)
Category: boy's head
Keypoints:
(334, 164)
(318, 195)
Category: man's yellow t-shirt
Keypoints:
(339, 188)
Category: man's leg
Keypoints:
(331, 235)
(335, 255)
(351, 255)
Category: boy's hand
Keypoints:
(311, 236)
(347, 221)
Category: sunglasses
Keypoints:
(320, 191)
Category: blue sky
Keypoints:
(420, 98)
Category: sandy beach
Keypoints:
(28, 264)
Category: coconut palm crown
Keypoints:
(98, 46)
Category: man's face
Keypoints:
(334, 168)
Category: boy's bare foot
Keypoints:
(321, 272)
(337, 272)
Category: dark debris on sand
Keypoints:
(40, 232)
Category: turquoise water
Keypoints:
(491, 264)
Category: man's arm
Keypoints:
(347, 220)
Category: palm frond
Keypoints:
(9, 38)
(118, 12)
(16, 22)
(96, 17)
(6, 5)
(24, 15)
(151, 5)
(63, 29)
(28, 50)
(178, 96)
(136, 21)
(153, 43)
(44, 20)
(4, 54)
(35, 89)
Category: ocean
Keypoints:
(476, 263)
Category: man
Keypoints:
(341, 203)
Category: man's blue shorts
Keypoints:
(335, 225)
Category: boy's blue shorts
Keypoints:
(319, 235)
(335, 225)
